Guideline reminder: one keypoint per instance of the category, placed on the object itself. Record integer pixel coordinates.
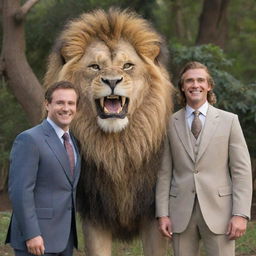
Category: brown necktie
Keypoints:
(70, 152)
(196, 126)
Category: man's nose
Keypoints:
(66, 107)
(195, 83)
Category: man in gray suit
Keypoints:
(204, 186)
(43, 176)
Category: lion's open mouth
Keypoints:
(112, 106)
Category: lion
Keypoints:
(117, 60)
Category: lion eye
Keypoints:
(128, 66)
(94, 67)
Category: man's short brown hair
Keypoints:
(60, 85)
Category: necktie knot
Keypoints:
(197, 113)
(65, 137)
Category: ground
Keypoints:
(246, 246)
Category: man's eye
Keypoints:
(94, 67)
(128, 66)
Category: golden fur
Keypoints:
(120, 164)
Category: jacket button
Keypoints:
(196, 171)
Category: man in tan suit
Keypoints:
(204, 186)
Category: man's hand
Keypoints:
(236, 227)
(165, 226)
(36, 245)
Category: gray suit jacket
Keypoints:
(220, 174)
(41, 189)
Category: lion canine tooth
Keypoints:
(102, 102)
(119, 110)
(123, 100)
(106, 110)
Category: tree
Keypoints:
(213, 23)
(13, 64)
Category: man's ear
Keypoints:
(46, 104)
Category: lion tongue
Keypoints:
(112, 106)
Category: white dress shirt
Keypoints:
(202, 116)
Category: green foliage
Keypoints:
(232, 94)
(178, 20)
(4, 222)
(12, 121)
(241, 44)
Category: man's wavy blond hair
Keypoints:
(211, 97)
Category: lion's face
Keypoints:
(115, 82)
(116, 59)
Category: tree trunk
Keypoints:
(213, 25)
(179, 24)
(14, 65)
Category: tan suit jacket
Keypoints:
(220, 174)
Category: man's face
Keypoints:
(195, 86)
(62, 108)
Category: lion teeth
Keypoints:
(123, 100)
(119, 110)
(106, 110)
(113, 97)
(102, 102)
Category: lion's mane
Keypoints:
(119, 169)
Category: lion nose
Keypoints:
(112, 83)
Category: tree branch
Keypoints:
(22, 12)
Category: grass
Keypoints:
(246, 245)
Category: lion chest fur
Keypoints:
(119, 206)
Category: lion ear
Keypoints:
(63, 56)
(152, 52)
(61, 50)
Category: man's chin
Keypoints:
(64, 124)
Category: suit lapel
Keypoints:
(182, 131)
(57, 148)
(212, 119)
(78, 160)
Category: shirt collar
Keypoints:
(203, 109)
(56, 128)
